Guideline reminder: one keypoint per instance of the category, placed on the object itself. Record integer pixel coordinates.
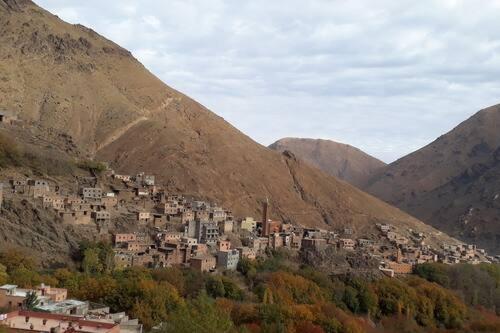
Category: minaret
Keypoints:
(265, 218)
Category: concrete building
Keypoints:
(101, 216)
(248, 224)
(209, 233)
(228, 259)
(91, 193)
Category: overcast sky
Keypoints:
(385, 76)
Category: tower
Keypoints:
(265, 218)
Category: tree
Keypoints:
(91, 263)
(4, 277)
(215, 287)
(31, 301)
(199, 315)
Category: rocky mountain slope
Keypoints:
(453, 183)
(69, 78)
(340, 160)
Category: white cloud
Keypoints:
(386, 76)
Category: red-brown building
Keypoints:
(27, 321)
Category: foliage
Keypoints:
(4, 277)
(199, 315)
(31, 301)
(92, 166)
(475, 284)
(96, 257)
(45, 162)
(264, 297)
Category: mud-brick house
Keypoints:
(314, 244)
(247, 252)
(202, 215)
(171, 207)
(109, 200)
(76, 217)
(19, 185)
(347, 244)
(124, 178)
(124, 238)
(223, 245)
(159, 220)
(144, 217)
(12, 297)
(39, 187)
(226, 227)
(203, 263)
(187, 216)
(218, 214)
(53, 201)
(7, 118)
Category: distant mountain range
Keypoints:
(69, 79)
(452, 183)
(337, 159)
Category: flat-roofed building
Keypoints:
(29, 321)
(203, 263)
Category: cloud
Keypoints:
(386, 76)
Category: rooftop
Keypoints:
(43, 322)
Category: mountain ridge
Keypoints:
(341, 160)
(451, 183)
(68, 78)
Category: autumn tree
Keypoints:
(199, 315)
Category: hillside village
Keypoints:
(171, 229)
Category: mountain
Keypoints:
(340, 160)
(67, 78)
(452, 183)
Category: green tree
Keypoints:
(199, 315)
(351, 299)
(31, 301)
(91, 263)
(4, 277)
(215, 287)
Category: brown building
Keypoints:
(27, 321)
(124, 238)
(223, 245)
(314, 244)
(12, 297)
(400, 268)
(204, 263)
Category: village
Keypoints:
(171, 229)
(167, 230)
(174, 230)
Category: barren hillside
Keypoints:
(67, 77)
(453, 183)
(340, 160)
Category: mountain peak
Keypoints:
(337, 159)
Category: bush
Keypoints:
(92, 166)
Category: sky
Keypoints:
(385, 76)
